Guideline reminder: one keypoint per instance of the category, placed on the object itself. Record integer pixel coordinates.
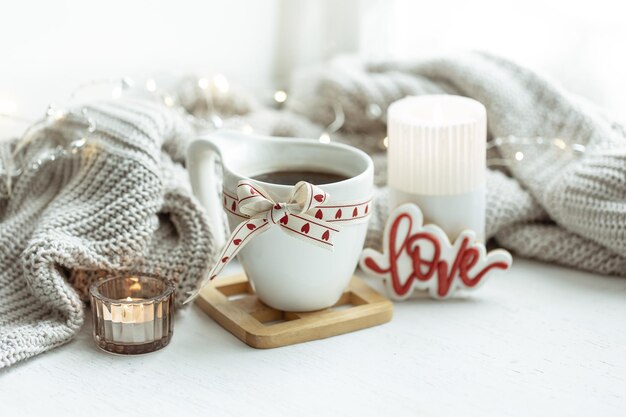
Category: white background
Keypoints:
(47, 48)
(50, 47)
(577, 43)
(539, 340)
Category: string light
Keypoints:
(205, 101)
(203, 83)
(335, 125)
(55, 113)
(519, 156)
(127, 83)
(560, 143)
(151, 85)
(11, 158)
(340, 118)
(217, 121)
(211, 118)
(373, 111)
(221, 83)
(168, 100)
(280, 96)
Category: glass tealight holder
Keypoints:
(132, 315)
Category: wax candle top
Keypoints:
(436, 110)
(130, 290)
(437, 145)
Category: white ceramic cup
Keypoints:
(286, 273)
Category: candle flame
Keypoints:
(135, 286)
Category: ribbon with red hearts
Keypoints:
(303, 216)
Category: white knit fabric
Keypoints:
(121, 204)
(554, 205)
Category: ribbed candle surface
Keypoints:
(437, 145)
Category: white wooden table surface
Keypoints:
(539, 340)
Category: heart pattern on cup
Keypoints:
(304, 216)
(334, 213)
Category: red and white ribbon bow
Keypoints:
(261, 213)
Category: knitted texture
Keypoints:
(554, 205)
(122, 204)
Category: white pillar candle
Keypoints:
(436, 159)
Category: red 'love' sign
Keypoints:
(421, 257)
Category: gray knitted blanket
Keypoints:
(555, 205)
(122, 203)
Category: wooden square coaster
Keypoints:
(232, 303)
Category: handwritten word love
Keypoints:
(422, 257)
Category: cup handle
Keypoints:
(201, 159)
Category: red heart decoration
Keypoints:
(233, 206)
(326, 235)
(319, 214)
(237, 242)
(277, 206)
(305, 228)
(225, 259)
(319, 197)
(367, 208)
(251, 226)
(355, 212)
(338, 214)
(284, 219)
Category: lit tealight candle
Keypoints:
(437, 150)
(132, 314)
